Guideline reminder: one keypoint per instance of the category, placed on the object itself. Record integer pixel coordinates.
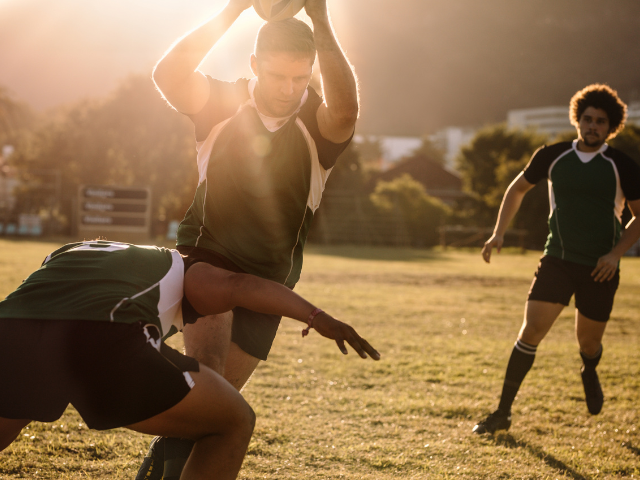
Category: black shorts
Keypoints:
(556, 280)
(253, 332)
(114, 374)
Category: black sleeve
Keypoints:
(328, 152)
(538, 167)
(629, 172)
(224, 100)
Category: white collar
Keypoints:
(586, 157)
(272, 123)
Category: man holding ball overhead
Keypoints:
(265, 148)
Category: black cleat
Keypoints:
(152, 467)
(498, 420)
(592, 390)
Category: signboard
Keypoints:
(117, 213)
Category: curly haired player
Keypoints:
(589, 183)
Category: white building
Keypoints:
(450, 140)
(549, 120)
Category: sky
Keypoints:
(422, 64)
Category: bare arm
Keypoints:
(608, 264)
(510, 205)
(212, 290)
(176, 74)
(338, 114)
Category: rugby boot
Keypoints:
(152, 466)
(498, 420)
(592, 390)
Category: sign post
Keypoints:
(118, 213)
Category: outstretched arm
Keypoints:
(338, 114)
(212, 290)
(176, 74)
(510, 205)
(608, 264)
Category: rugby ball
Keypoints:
(274, 10)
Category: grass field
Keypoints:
(445, 324)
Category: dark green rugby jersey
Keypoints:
(103, 281)
(258, 187)
(587, 193)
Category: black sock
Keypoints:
(591, 362)
(520, 363)
(176, 453)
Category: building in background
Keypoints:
(438, 180)
(450, 140)
(549, 120)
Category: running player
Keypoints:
(86, 328)
(265, 147)
(588, 185)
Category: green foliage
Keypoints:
(370, 151)
(429, 150)
(132, 139)
(478, 163)
(14, 117)
(492, 160)
(406, 199)
(628, 141)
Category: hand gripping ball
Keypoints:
(274, 10)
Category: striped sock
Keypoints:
(520, 362)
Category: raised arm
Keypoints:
(212, 290)
(177, 76)
(510, 205)
(338, 114)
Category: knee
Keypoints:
(589, 346)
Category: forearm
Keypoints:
(629, 236)
(183, 58)
(510, 205)
(338, 79)
(265, 296)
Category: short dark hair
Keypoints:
(286, 36)
(603, 97)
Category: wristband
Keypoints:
(313, 315)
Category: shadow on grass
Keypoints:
(510, 442)
(632, 449)
(390, 254)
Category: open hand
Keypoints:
(606, 267)
(316, 9)
(329, 327)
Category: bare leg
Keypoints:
(539, 317)
(208, 340)
(240, 366)
(9, 430)
(589, 334)
(217, 417)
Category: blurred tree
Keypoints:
(430, 150)
(369, 150)
(407, 200)
(479, 162)
(14, 117)
(133, 139)
(628, 141)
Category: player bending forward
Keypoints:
(588, 184)
(86, 328)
